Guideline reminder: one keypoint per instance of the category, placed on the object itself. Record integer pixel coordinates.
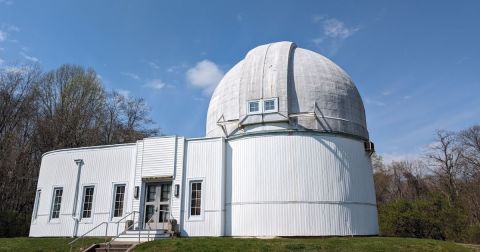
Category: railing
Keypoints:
(80, 237)
(126, 229)
(163, 223)
(123, 218)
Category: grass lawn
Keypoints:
(301, 244)
(44, 244)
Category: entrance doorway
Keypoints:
(157, 205)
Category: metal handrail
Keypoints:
(118, 235)
(80, 237)
(150, 228)
(118, 222)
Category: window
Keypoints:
(270, 105)
(254, 107)
(56, 202)
(195, 198)
(35, 207)
(119, 196)
(87, 201)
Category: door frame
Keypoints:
(156, 204)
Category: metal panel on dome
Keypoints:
(313, 94)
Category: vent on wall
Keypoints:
(369, 147)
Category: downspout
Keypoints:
(76, 218)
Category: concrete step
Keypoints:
(142, 235)
(114, 247)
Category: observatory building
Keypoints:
(286, 153)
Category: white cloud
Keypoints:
(2, 61)
(124, 92)
(334, 32)
(28, 57)
(153, 65)
(6, 2)
(13, 28)
(176, 68)
(9, 27)
(374, 102)
(206, 75)
(16, 69)
(239, 17)
(3, 36)
(155, 84)
(387, 92)
(131, 75)
(336, 29)
(388, 158)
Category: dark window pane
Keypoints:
(119, 197)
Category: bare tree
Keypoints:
(445, 159)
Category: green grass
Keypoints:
(44, 244)
(335, 244)
(301, 244)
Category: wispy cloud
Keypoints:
(6, 2)
(205, 75)
(333, 32)
(28, 57)
(3, 36)
(153, 65)
(336, 29)
(155, 84)
(176, 68)
(9, 27)
(239, 17)
(131, 75)
(374, 102)
(123, 92)
(2, 61)
(388, 158)
(16, 69)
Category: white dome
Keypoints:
(311, 93)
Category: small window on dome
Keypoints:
(254, 107)
(270, 105)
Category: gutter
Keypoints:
(75, 217)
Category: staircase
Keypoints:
(128, 240)
(138, 236)
(114, 247)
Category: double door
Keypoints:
(157, 205)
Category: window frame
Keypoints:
(275, 105)
(51, 216)
(114, 197)
(38, 194)
(199, 217)
(260, 107)
(92, 207)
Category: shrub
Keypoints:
(431, 218)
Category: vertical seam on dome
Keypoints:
(263, 69)
(263, 75)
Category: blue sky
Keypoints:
(415, 63)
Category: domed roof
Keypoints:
(304, 91)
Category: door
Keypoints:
(157, 205)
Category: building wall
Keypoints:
(204, 161)
(103, 167)
(290, 184)
(158, 157)
(299, 185)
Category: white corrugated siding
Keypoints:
(158, 156)
(299, 185)
(205, 161)
(175, 205)
(103, 167)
